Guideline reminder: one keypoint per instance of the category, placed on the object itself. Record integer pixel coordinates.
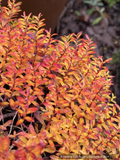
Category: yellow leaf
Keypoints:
(83, 151)
(63, 150)
(72, 105)
(83, 106)
(2, 50)
(81, 121)
(50, 149)
(23, 139)
(69, 83)
(105, 126)
(40, 98)
(74, 151)
(53, 157)
(55, 119)
(51, 143)
(60, 80)
(72, 73)
(37, 150)
(12, 103)
(77, 109)
(99, 126)
(68, 97)
(77, 77)
(29, 143)
(4, 103)
(65, 135)
(58, 139)
(113, 150)
(20, 111)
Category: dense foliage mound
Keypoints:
(54, 95)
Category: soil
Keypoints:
(106, 33)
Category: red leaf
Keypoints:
(31, 128)
(37, 66)
(1, 117)
(23, 93)
(108, 60)
(28, 91)
(32, 98)
(87, 36)
(2, 127)
(8, 123)
(31, 110)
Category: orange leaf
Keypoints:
(20, 121)
(89, 117)
(38, 149)
(6, 143)
(2, 64)
(55, 119)
(20, 111)
(29, 119)
(4, 103)
(12, 103)
(81, 121)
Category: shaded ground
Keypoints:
(106, 33)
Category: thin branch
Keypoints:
(12, 123)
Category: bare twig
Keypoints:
(12, 122)
(69, 4)
(9, 114)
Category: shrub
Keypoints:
(54, 94)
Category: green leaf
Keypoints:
(96, 2)
(97, 20)
(100, 4)
(77, 13)
(90, 11)
(88, 2)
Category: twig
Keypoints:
(69, 4)
(9, 114)
(12, 122)
(12, 145)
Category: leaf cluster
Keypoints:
(55, 97)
